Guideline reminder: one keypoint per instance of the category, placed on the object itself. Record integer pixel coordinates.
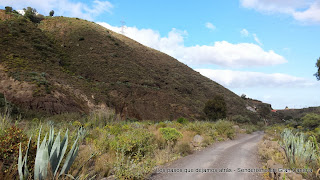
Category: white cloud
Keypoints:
(242, 79)
(255, 37)
(312, 14)
(244, 33)
(221, 53)
(302, 10)
(63, 7)
(210, 26)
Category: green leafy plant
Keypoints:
(49, 155)
(311, 121)
(134, 142)
(170, 134)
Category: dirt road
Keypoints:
(222, 160)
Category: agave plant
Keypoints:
(50, 154)
(298, 149)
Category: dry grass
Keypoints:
(104, 164)
(188, 136)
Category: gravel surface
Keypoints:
(227, 156)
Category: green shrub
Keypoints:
(182, 120)
(51, 13)
(97, 136)
(161, 125)
(117, 129)
(225, 128)
(134, 142)
(31, 13)
(293, 123)
(170, 134)
(216, 108)
(311, 121)
(241, 119)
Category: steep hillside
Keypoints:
(68, 64)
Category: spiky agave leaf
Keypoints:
(42, 160)
(54, 153)
(51, 138)
(58, 151)
(70, 157)
(20, 164)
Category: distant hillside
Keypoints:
(73, 65)
(287, 114)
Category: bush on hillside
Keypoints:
(311, 121)
(243, 96)
(216, 108)
(51, 13)
(8, 9)
(33, 15)
(241, 119)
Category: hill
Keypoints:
(295, 114)
(73, 65)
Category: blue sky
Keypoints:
(264, 49)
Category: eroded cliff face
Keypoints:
(24, 95)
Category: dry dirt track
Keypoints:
(226, 156)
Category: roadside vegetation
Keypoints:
(101, 144)
(294, 144)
